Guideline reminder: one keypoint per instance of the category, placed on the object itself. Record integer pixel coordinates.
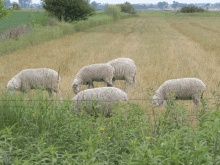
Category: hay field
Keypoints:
(163, 48)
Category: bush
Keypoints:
(113, 11)
(191, 9)
(16, 6)
(127, 8)
(69, 10)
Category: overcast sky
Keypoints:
(142, 1)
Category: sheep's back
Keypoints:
(123, 68)
(186, 87)
(106, 94)
(39, 77)
(96, 72)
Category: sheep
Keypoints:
(104, 95)
(184, 88)
(125, 69)
(41, 78)
(95, 72)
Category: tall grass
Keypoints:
(40, 34)
(39, 131)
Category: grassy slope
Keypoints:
(163, 46)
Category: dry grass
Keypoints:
(162, 48)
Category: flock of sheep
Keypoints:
(117, 69)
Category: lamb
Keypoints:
(106, 95)
(41, 78)
(125, 69)
(95, 72)
(184, 88)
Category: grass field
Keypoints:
(164, 45)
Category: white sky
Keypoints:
(142, 1)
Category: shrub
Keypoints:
(113, 11)
(191, 9)
(15, 33)
(69, 10)
(127, 8)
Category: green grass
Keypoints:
(43, 132)
(19, 17)
(41, 34)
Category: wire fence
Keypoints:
(153, 115)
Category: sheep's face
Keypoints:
(14, 84)
(156, 101)
(75, 86)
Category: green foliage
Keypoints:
(127, 8)
(16, 6)
(113, 11)
(4, 12)
(69, 10)
(191, 9)
(54, 134)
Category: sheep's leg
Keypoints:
(129, 80)
(196, 102)
(134, 82)
(59, 95)
(50, 92)
(92, 85)
(164, 102)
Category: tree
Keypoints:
(4, 12)
(160, 5)
(69, 10)
(174, 5)
(16, 6)
(94, 4)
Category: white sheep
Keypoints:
(184, 88)
(41, 78)
(95, 72)
(106, 95)
(125, 69)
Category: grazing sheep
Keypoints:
(125, 69)
(105, 95)
(184, 88)
(41, 78)
(95, 72)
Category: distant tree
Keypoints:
(16, 6)
(4, 12)
(94, 4)
(207, 5)
(175, 5)
(162, 4)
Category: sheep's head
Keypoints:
(76, 86)
(156, 101)
(14, 84)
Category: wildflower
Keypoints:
(162, 144)
(133, 141)
(120, 101)
(101, 129)
(121, 108)
(109, 137)
(147, 138)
